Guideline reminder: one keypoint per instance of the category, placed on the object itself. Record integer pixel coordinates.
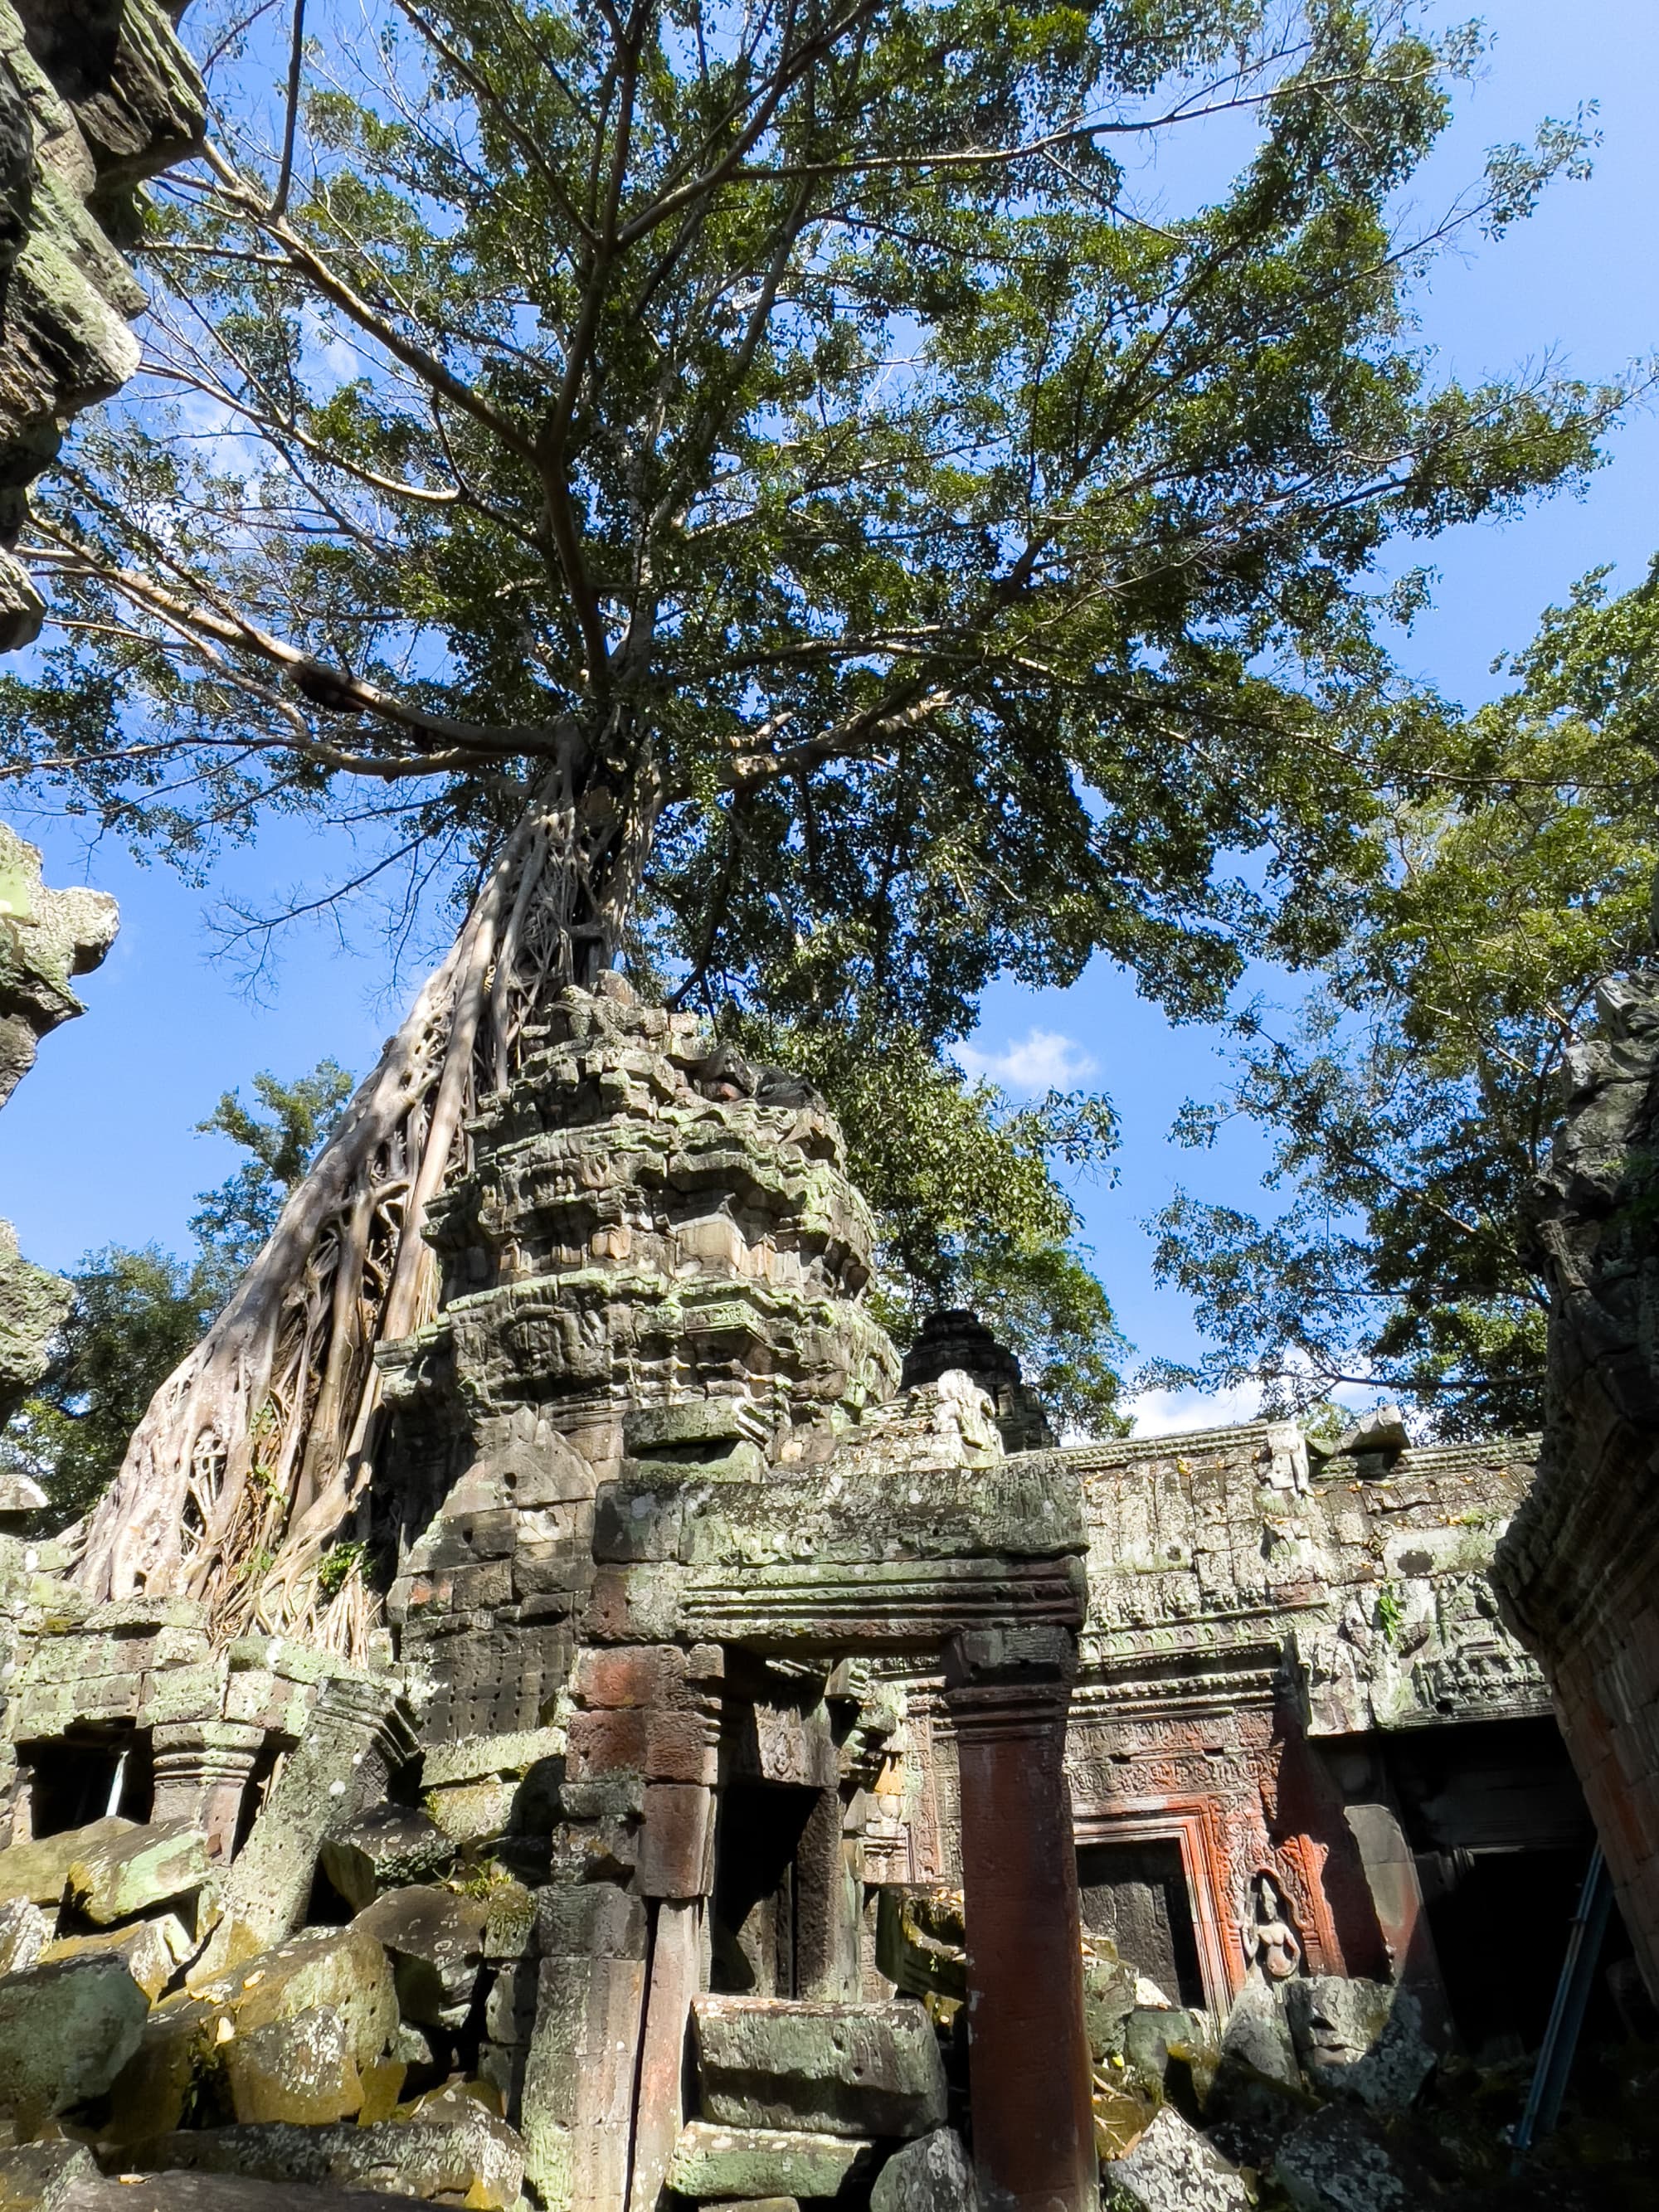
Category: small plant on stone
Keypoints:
(1390, 1612)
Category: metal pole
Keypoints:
(1560, 2044)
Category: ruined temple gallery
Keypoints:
(774, 1772)
(728, 1671)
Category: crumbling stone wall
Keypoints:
(46, 939)
(1579, 1567)
(95, 95)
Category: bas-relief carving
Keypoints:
(1267, 1937)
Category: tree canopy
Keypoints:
(1415, 1094)
(767, 492)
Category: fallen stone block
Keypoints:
(1258, 2034)
(39, 1871)
(710, 2161)
(1108, 1998)
(932, 2174)
(66, 2032)
(1150, 2033)
(302, 2069)
(1335, 2163)
(25, 1932)
(475, 2159)
(435, 1941)
(387, 1848)
(116, 1877)
(921, 1941)
(844, 2069)
(183, 2057)
(217, 2192)
(150, 1951)
(37, 2177)
(1173, 2169)
(1360, 2039)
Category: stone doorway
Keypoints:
(1134, 1893)
(766, 1903)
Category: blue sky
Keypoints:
(97, 1144)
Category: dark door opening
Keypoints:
(756, 1923)
(81, 1778)
(1136, 1894)
(1502, 1837)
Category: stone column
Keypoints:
(1402, 1914)
(359, 1731)
(1007, 1691)
(202, 1770)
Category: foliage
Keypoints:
(136, 1314)
(232, 1221)
(967, 1207)
(1416, 1098)
(804, 418)
(764, 486)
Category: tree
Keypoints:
(137, 1314)
(753, 491)
(967, 1206)
(1416, 1098)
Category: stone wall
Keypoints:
(95, 95)
(1579, 1567)
(47, 939)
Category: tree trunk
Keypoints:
(258, 1446)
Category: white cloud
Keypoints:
(1042, 1060)
(1178, 1412)
(1174, 1413)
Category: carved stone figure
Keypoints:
(1270, 1941)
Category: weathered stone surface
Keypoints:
(710, 2161)
(474, 2159)
(1173, 2169)
(358, 1731)
(1108, 1998)
(303, 2069)
(37, 2177)
(1334, 2162)
(25, 1932)
(932, 2174)
(385, 1848)
(187, 2046)
(66, 2032)
(151, 1951)
(201, 2192)
(1578, 1566)
(39, 1871)
(1359, 2038)
(1151, 2032)
(1258, 2034)
(47, 939)
(830, 2068)
(116, 1876)
(436, 1941)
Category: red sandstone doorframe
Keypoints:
(1189, 1822)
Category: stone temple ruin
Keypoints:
(783, 1776)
